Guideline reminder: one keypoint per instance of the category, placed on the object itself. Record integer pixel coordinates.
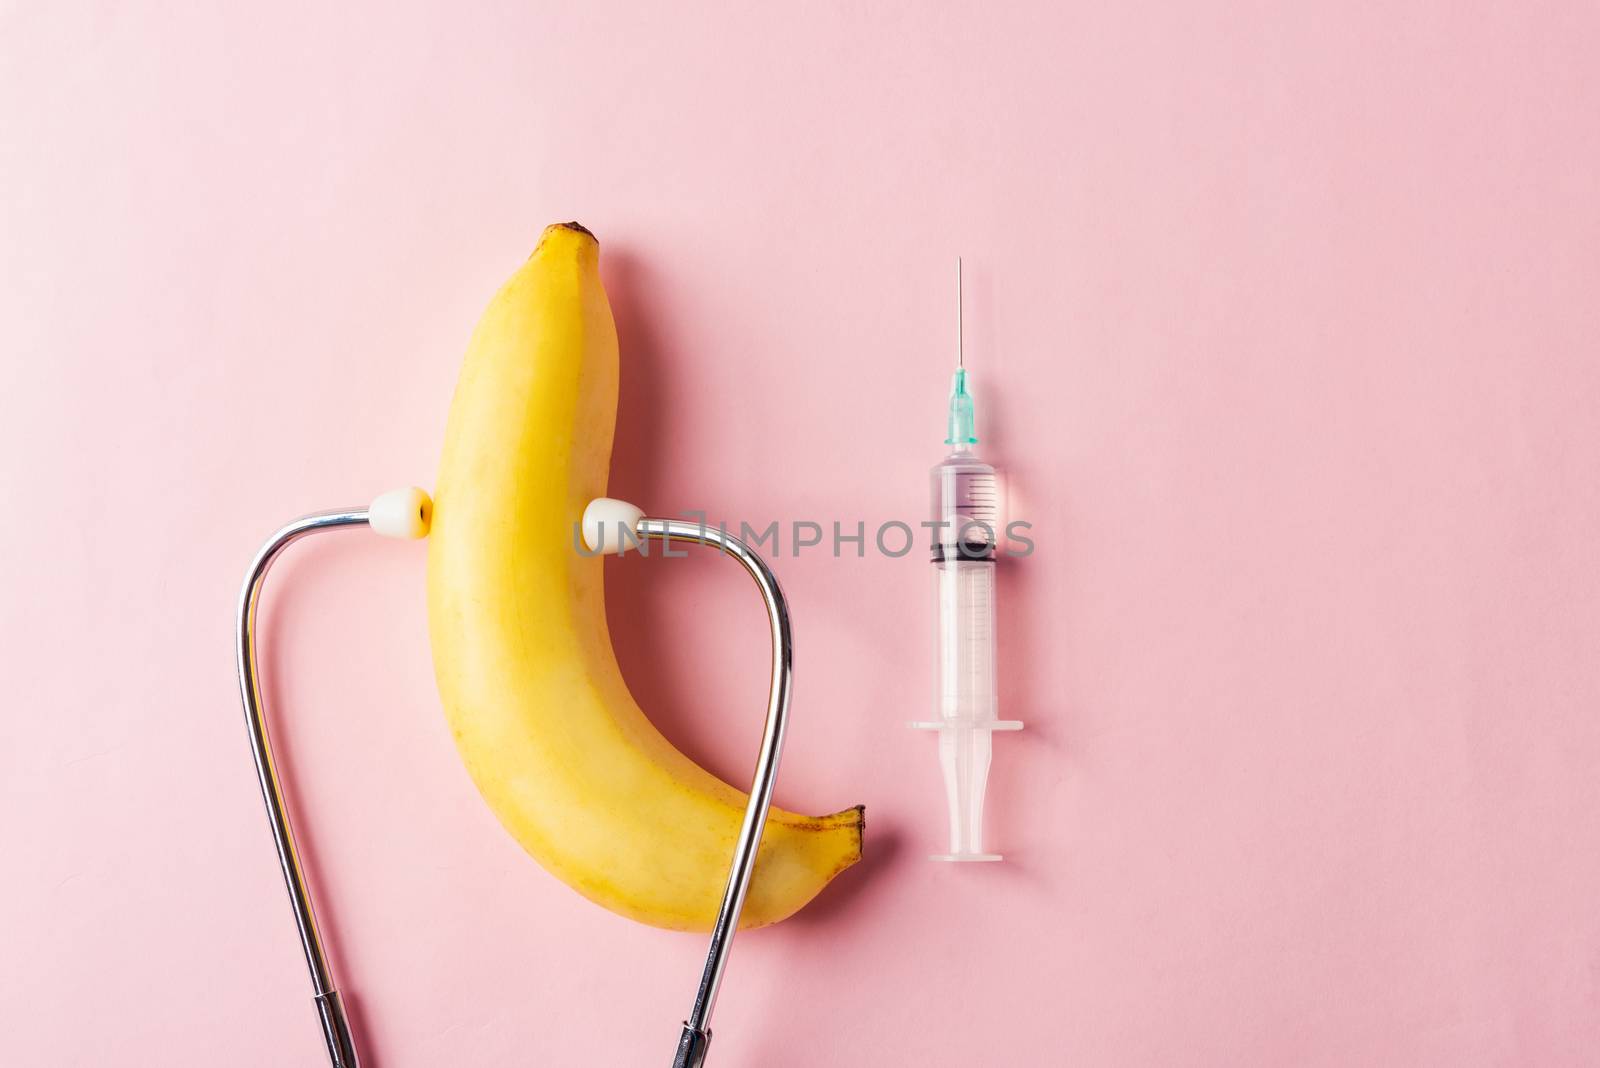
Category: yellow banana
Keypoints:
(530, 684)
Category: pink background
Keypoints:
(1285, 325)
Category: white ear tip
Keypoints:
(402, 513)
(606, 524)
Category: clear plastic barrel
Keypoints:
(965, 507)
(965, 691)
(965, 513)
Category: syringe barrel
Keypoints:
(966, 508)
(965, 686)
(965, 514)
(965, 690)
(965, 511)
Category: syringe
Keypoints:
(965, 514)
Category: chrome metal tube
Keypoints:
(696, 1036)
(330, 1009)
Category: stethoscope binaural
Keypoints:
(407, 513)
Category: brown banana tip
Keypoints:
(569, 227)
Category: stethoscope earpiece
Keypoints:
(401, 513)
(619, 517)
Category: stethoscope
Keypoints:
(407, 513)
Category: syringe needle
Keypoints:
(961, 356)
